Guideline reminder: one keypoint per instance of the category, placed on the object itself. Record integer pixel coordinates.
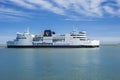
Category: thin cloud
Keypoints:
(45, 5)
(10, 11)
(68, 8)
(13, 14)
(109, 10)
(23, 3)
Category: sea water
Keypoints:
(101, 63)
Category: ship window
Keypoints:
(56, 40)
(37, 39)
(79, 37)
(21, 38)
(73, 35)
(82, 39)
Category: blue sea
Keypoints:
(101, 63)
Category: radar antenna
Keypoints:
(28, 30)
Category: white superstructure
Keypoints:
(22, 39)
(51, 39)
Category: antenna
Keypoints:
(73, 28)
(28, 30)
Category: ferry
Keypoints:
(49, 39)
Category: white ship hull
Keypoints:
(86, 44)
(55, 46)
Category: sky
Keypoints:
(99, 18)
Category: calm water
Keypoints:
(60, 64)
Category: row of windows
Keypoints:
(79, 37)
(42, 44)
(55, 40)
(21, 38)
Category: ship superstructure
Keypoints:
(74, 39)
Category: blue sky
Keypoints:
(100, 18)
